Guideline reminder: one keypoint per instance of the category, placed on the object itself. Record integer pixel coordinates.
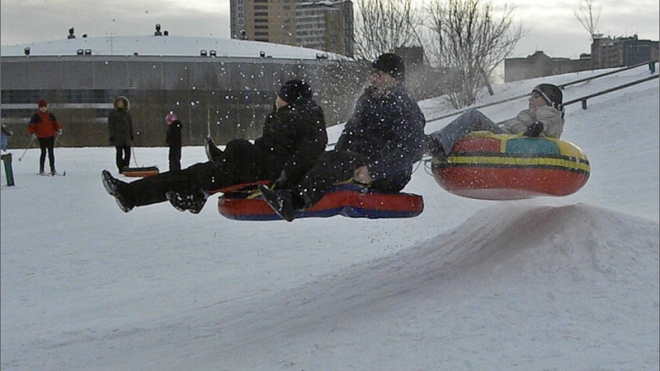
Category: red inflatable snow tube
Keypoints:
(349, 200)
(491, 166)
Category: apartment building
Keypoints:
(607, 52)
(322, 25)
(264, 20)
(326, 25)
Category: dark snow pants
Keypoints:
(333, 167)
(241, 162)
(122, 157)
(174, 158)
(47, 145)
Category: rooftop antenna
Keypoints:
(111, 41)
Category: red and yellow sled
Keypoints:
(491, 166)
(140, 172)
(348, 200)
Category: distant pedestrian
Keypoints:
(44, 126)
(120, 127)
(173, 140)
(6, 134)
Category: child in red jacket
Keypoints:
(44, 126)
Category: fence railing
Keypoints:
(602, 92)
(562, 86)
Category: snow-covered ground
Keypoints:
(544, 284)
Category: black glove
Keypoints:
(534, 130)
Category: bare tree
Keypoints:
(585, 14)
(470, 39)
(384, 25)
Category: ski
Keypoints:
(53, 174)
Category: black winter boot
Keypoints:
(434, 148)
(192, 201)
(213, 153)
(280, 201)
(109, 183)
(113, 187)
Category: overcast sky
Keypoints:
(551, 24)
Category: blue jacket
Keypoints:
(387, 127)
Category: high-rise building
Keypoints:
(323, 25)
(326, 25)
(264, 20)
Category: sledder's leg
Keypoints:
(471, 120)
(331, 167)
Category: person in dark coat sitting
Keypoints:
(294, 135)
(377, 148)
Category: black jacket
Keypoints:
(120, 124)
(387, 127)
(296, 134)
(173, 138)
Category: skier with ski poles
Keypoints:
(44, 126)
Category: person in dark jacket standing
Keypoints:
(294, 135)
(120, 128)
(44, 126)
(378, 147)
(173, 140)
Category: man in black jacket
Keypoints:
(294, 135)
(378, 147)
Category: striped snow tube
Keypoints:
(490, 166)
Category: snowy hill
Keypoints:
(545, 284)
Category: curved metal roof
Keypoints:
(165, 46)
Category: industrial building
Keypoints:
(221, 87)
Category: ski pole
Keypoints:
(28, 147)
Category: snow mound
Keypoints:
(512, 261)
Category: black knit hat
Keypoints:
(550, 93)
(391, 64)
(294, 89)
